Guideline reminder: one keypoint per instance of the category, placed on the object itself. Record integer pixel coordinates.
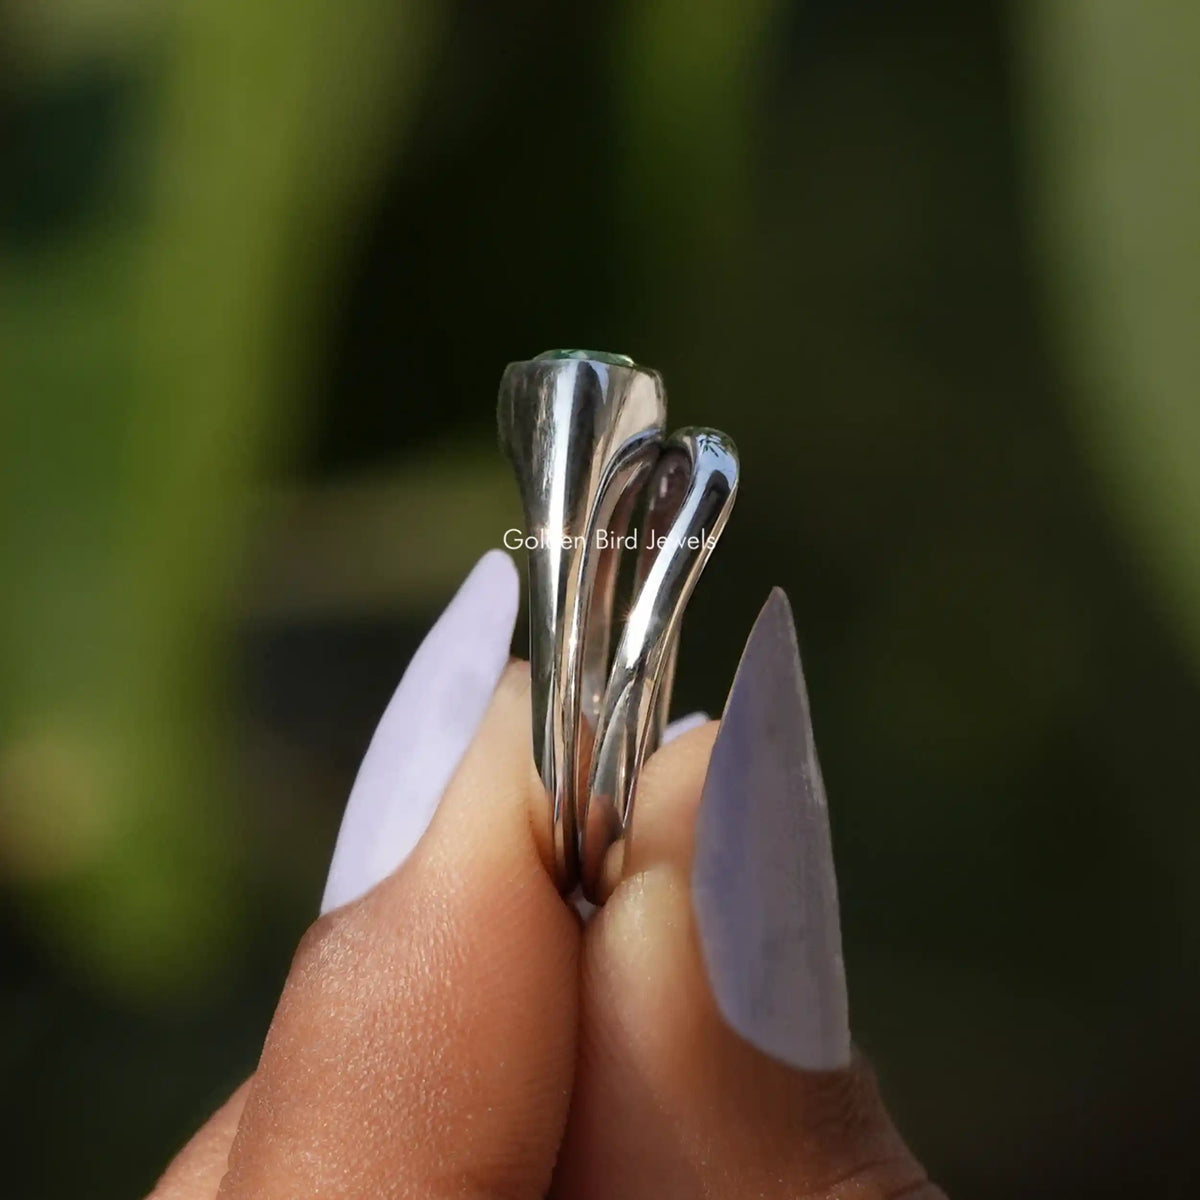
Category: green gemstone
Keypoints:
(613, 360)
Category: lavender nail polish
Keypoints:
(763, 882)
(682, 725)
(425, 730)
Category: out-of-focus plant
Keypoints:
(357, 548)
(157, 358)
(690, 89)
(1113, 115)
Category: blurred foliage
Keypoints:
(932, 267)
(1114, 117)
(681, 68)
(135, 446)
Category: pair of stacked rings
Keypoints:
(586, 436)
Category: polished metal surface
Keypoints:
(690, 497)
(584, 432)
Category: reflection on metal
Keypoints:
(585, 433)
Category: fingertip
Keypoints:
(425, 730)
(443, 1001)
(668, 794)
(698, 1100)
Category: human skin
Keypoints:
(458, 1031)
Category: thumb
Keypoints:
(715, 1055)
(424, 1041)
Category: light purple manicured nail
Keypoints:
(763, 883)
(425, 730)
(683, 725)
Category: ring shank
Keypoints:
(584, 433)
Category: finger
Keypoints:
(424, 1042)
(420, 740)
(425, 730)
(196, 1171)
(714, 1047)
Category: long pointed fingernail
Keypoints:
(425, 730)
(763, 882)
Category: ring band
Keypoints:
(584, 432)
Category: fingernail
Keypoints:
(763, 882)
(425, 730)
(681, 725)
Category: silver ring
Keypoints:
(584, 432)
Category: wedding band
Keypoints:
(584, 432)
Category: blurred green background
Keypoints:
(936, 268)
